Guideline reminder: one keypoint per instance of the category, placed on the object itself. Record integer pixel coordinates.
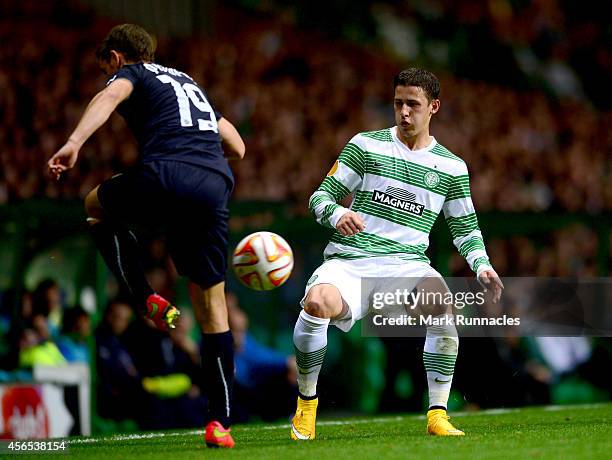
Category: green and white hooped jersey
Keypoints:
(399, 193)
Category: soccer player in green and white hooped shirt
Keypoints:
(401, 178)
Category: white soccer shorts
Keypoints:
(346, 276)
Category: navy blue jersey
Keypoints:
(171, 117)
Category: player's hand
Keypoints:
(489, 279)
(63, 160)
(350, 224)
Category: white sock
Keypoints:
(310, 341)
(439, 356)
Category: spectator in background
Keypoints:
(169, 366)
(120, 393)
(266, 380)
(47, 308)
(30, 338)
(36, 349)
(147, 375)
(76, 328)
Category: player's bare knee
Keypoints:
(315, 307)
(439, 309)
(320, 302)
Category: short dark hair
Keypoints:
(131, 40)
(422, 78)
(71, 317)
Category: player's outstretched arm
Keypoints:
(95, 115)
(463, 225)
(233, 145)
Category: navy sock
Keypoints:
(218, 366)
(119, 249)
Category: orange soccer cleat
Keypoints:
(162, 312)
(217, 436)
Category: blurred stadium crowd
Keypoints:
(297, 97)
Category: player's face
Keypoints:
(412, 110)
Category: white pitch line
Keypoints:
(129, 437)
(137, 436)
(330, 423)
(573, 406)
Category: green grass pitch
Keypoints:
(546, 432)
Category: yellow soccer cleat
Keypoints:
(304, 420)
(438, 424)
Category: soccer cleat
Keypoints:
(438, 424)
(217, 436)
(162, 312)
(304, 420)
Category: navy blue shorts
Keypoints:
(191, 204)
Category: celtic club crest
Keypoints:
(431, 179)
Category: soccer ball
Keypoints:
(262, 261)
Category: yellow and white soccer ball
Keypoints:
(263, 261)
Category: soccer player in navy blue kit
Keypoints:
(183, 180)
